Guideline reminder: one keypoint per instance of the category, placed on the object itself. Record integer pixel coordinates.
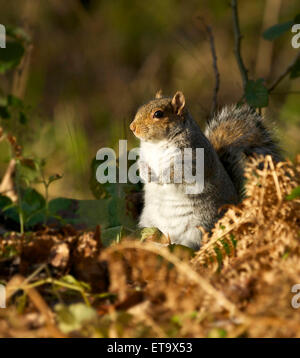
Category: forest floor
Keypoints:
(62, 282)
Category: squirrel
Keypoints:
(164, 126)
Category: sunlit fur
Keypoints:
(167, 206)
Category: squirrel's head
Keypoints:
(160, 118)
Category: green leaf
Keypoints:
(28, 170)
(256, 93)
(14, 101)
(226, 247)
(277, 30)
(11, 56)
(74, 317)
(91, 213)
(219, 257)
(176, 319)
(17, 33)
(111, 235)
(58, 205)
(32, 205)
(217, 333)
(233, 240)
(83, 213)
(9, 251)
(150, 231)
(4, 202)
(110, 213)
(22, 118)
(4, 113)
(295, 71)
(3, 101)
(294, 194)
(21, 302)
(8, 208)
(285, 255)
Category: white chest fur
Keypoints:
(158, 156)
(166, 206)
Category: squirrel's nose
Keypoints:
(132, 126)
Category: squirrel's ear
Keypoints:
(158, 94)
(178, 102)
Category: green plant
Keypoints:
(255, 91)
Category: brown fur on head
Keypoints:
(159, 118)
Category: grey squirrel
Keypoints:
(163, 126)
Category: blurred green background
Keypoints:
(94, 62)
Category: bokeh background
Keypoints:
(94, 62)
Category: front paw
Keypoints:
(143, 170)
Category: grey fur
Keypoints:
(178, 214)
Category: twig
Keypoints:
(284, 73)
(215, 67)
(237, 43)
(21, 74)
(15, 284)
(19, 83)
(265, 48)
(58, 283)
(275, 177)
(7, 183)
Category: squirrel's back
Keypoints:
(237, 133)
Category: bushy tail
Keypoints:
(237, 133)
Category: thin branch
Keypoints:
(284, 73)
(7, 184)
(237, 43)
(215, 67)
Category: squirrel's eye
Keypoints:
(158, 114)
